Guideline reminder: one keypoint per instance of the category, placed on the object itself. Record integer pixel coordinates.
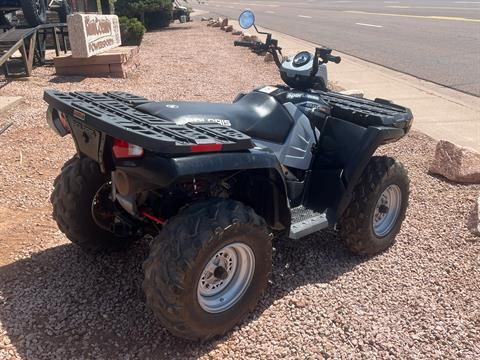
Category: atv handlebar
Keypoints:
(243, 43)
(334, 59)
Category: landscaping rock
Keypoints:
(216, 24)
(237, 32)
(229, 28)
(268, 57)
(354, 93)
(248, 37)
(206, 19)
(456, 163)
(223, 22)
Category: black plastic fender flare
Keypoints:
(373, 137)
(158, 171)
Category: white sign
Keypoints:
(92, 34)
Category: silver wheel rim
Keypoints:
(387, 210)
(225, 278)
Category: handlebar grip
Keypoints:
(242, 43)
(335, 59)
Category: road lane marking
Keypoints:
(429, 7)
(305, 16)
(270, 12)
(415, 16)
(370, 25)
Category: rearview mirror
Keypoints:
(246, 19)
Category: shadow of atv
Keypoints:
(63, 303)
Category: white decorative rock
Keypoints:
(92, 34)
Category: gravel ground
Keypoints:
(421, 299)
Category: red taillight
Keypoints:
(64, 121)
(206, 148)
(122, 149)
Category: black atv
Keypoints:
(35, 11)
(215, 183)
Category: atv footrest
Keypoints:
(306, 222)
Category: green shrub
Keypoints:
(132, 31)
(157, 19)
(138, 8)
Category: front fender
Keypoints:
(370, 141)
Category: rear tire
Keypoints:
(374, 217)
(35, 11)
(72, 198)
(190, 300)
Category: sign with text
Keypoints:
(92, 34)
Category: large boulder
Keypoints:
(456, 163)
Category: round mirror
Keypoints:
(246, 19)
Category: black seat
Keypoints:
(256, 114)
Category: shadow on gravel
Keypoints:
(62, 303)
(67, 79)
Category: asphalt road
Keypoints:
(438, 41)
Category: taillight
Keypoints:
(123, 149)
(58, 121)
(206, 148)
(64, 121)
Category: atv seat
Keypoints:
(256, 114)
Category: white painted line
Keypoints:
(305, 16)
(370, 25)
(270, 12)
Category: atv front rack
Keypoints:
(114, 113)
(365, 112)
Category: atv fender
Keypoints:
(372, 138)
(345, 151)
(270, 198)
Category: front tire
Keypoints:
(208, 268)
(376, 213)
(75, 190)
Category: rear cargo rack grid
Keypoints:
(114, 113)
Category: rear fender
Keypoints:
(267, 196)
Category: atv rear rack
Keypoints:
(114, 113)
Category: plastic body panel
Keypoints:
(300, 76)
(296, 151)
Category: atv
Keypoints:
(214, 184)
(180, 12)
(35, 11)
